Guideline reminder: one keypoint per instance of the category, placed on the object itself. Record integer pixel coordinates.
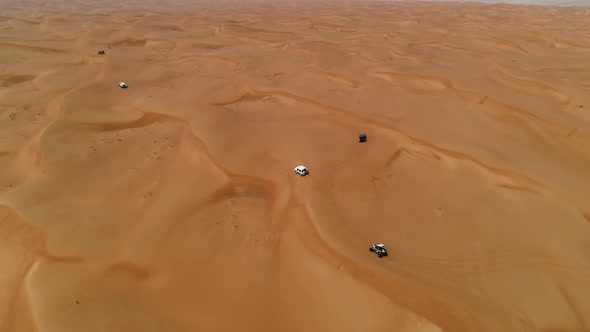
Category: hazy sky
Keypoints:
(525, 2)
(540, 2)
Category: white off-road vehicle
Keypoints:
(123, 85)
(301, 170)
(379, 249)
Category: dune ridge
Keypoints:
(172, 205)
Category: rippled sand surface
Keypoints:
(173, 205)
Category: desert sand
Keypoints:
(173, 205)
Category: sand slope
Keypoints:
(173, 206)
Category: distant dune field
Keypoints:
(173, 205)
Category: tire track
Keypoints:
(499, 261)
(452, 314)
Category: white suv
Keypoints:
(301, 170)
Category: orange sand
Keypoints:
(173, 205)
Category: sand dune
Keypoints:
(172, 205)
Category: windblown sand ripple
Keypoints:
(172, 205)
